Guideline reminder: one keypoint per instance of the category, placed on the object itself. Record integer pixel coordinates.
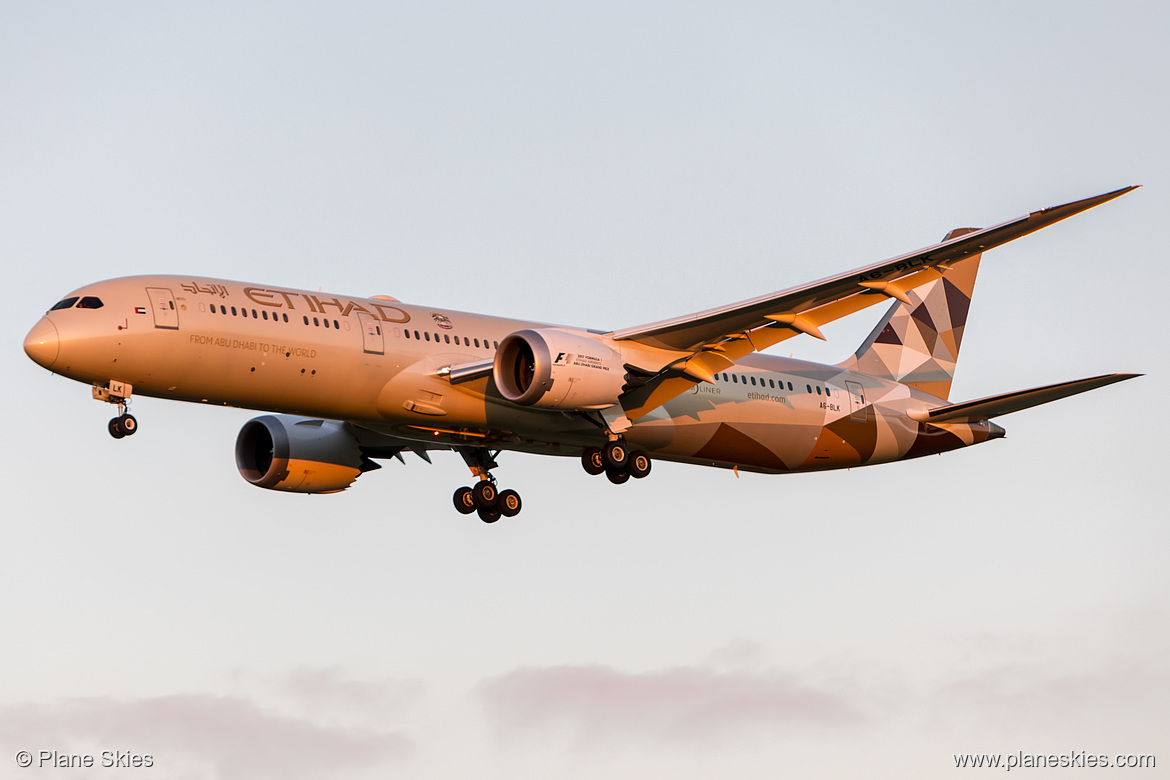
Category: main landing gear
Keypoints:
(485, 497)
(616, 461)
(118, 393)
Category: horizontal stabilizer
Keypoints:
(997, 405)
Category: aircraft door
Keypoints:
(162, 305)
(372, 341)
(857, 408)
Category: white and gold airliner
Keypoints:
(349, 380)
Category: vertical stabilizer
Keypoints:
(917, 342)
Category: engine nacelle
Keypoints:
(298, 454)
(555, 369)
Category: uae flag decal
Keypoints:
(140, 310)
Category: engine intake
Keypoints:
(557, 369)
(298, 454)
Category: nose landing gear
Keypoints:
(118, 393)
(123, 425)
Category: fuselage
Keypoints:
(383, 365)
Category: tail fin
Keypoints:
(917, 342)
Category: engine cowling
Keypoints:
(298, 454)
(556, 369)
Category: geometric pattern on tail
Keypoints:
(918, 343)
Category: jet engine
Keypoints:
(299, 454)
(556, 369)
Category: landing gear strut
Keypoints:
(485, 498)
(616, 461)
(118, 393)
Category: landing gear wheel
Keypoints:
(129, 424)
(484, 494)
(617, 476)
(614, 454)
(464, 504)
(592, 462)
(115, 428)
(509, 503)
(638, 464)
(489, 515)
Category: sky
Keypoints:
(599, 165)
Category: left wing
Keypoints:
(717, 338)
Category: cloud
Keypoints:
(232, 736)
(324, 690)
(1018, 698)
(683, 705)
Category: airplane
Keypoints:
(350, 380)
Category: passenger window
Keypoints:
(65, 304)
(818, 389)
(734, 379)
(90, 302)
(446, 338)
(416, 335)
(265, 313)
(477, 343)
(407, 332)
(306, 319)
(428, 335)
(790, 386)
(327, 325)
(285, 316)
(254, 316)
(233, 311)
(497, 344)
(753, 381)
(316, 322)
(808, 387)
(772, 383)
(336, 325)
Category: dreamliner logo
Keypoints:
(344, 384)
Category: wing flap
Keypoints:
(998, 405)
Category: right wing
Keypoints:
(717, 338)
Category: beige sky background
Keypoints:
(602, 165)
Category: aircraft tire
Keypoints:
(617, 476)
(463, 501)
(638, 464)
(485, 495)
(115, 428)
(129, 424)
(591, 461)
(509, 503)
(615, 455)
(489, 515)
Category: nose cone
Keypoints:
(41, 343)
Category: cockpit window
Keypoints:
(90, 302)
(65, 304)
